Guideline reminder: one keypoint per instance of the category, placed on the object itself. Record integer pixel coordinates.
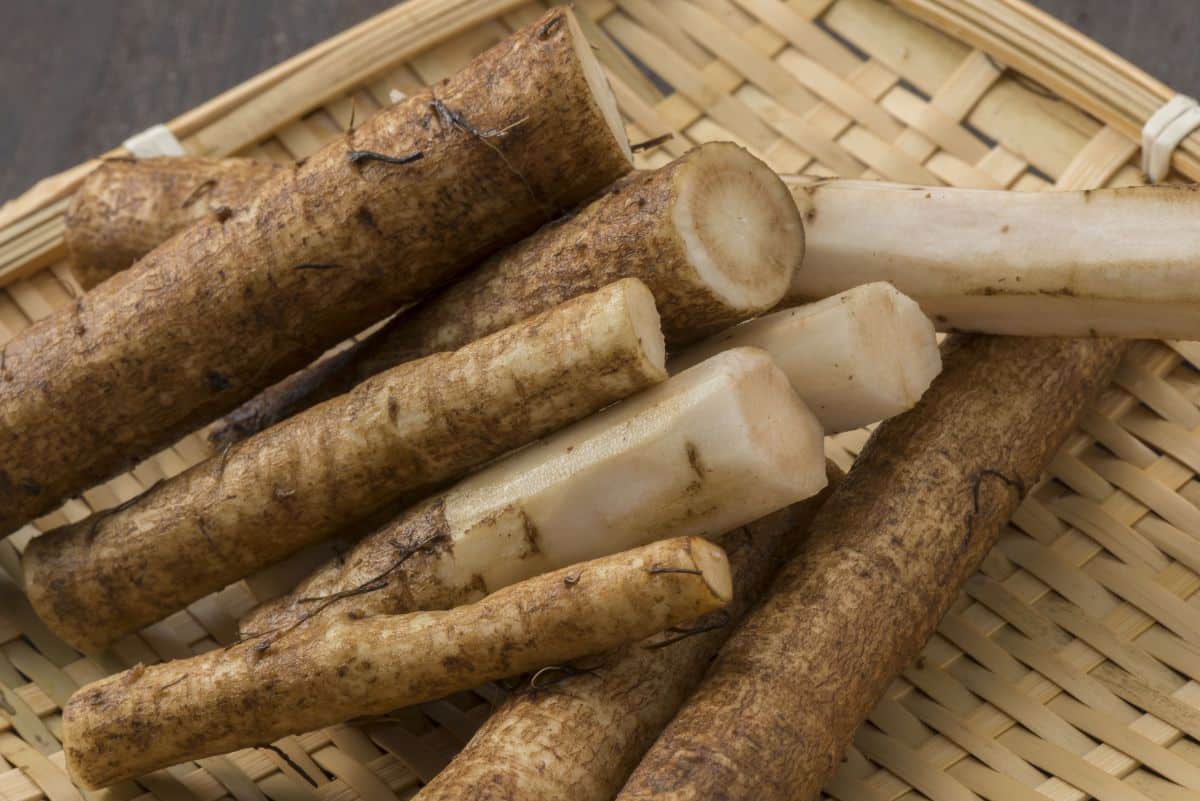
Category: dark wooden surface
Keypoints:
(78, 76)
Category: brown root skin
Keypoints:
(241, 696)
(536, 509)
(885, 557)
(126, 208)
(383, 574)
(628, 231)
(220, 310)
(394, 436)
(578, 732)
(324, 379)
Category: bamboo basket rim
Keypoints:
(1086, 612)
(434, 21)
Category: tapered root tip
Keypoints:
(740, 227)
(713, 565)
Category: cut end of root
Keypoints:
(784, 437)
(892, 326)
(713, 565)
(643, 314)
(739, 225)
(594, 73)
(855, 358)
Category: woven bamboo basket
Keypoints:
(1068, 668)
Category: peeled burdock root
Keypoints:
(713, 448)
(856, 358)
(319, 472)
(128, 207)
(885, 557)
(578, 732)
(714, 234)
(1098, 262)
(290, 682)
(370, 222)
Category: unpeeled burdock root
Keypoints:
(372, 221)
(714, 234)
(885, 557)
(128, 207)
(578, 731)
(712, 448)
(342, 464)
(294, 681)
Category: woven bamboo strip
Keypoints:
(1067, 63)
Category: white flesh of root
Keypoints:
(713, 448)
(855, 358)
(1106, 262)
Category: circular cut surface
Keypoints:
(739, 225)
